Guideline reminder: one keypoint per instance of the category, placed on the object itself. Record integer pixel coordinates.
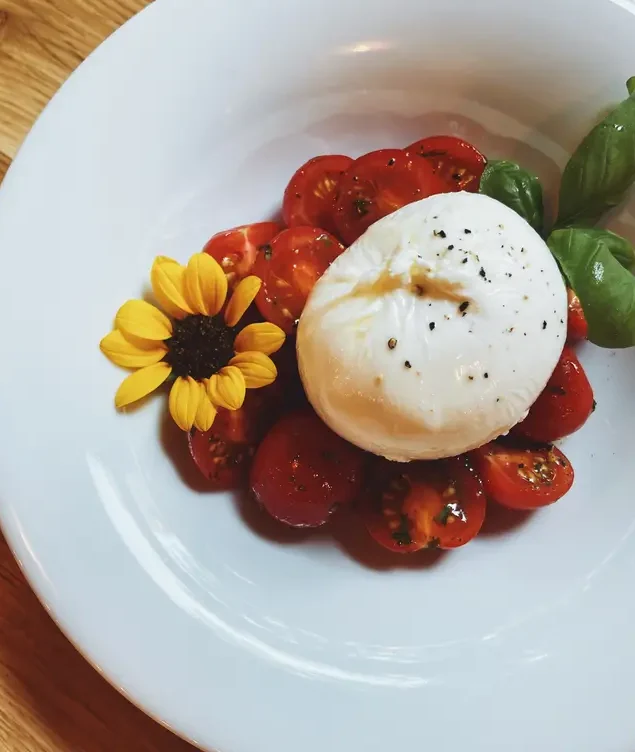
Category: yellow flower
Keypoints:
(193, 342)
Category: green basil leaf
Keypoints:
(620, 248)
(630, 85)
(605, 288)
(602, 168)
(515, 187)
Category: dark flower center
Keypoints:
(200, 346)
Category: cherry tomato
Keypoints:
(378, 184)
(437, 504)
(309, 199)
(302, 471)
(523, 478)
(459, 164)
(224, 453)
(564, 405)
(577, 327)
(289, 268)
(236, 250)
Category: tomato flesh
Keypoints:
(236, 250)
(289, 269)
(302, 471)
(224, 453)
(564, 405)
(437, 504)
(458, 163)
(577, 327)
(378, 184)
(523, 478)
(309, 199)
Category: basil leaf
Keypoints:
(620, 248)
(605, 288)
(601, 169)
(515, 187)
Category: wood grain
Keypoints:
(51, 700)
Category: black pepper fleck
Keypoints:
(481, 272)
(391, 161)
(544, 324)
(440, 234)
(471, 378)
(464, 305)
(464, 260)
(450, 248)
(408, 364)
(432, 325)
(486, 375)
(467, 232)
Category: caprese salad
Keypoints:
(410, 348)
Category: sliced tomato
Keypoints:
(302, 471)
(236, 250)
(564, 405)
(289, 268)
(378, 184)
(309, 199)
(458, 163)
(437, 504)
(577, 327)
(224, 453)
(523, 478)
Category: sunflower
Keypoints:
(195, 341)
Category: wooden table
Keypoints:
(51, 700)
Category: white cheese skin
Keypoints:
(392, 358)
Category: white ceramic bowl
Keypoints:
(238, 635)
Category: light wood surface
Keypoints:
(51, 700)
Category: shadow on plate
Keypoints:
(500, 520)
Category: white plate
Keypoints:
(190, 120)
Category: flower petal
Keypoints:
(257, 368)
(227, 388)
(205, 414)
(263, 337)
(140, 319)
(185, 398)
(131, 352)
(205, 284)
(168, 285)
(243, 296)
(141, 383)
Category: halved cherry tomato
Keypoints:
(564, 405)
(378, 184)
(523, 478)
(302, 471)
(236, 250)
(437, 504)
(577, 327)
(309, 199)
(224, 453)
(289, 268)
(458, 163)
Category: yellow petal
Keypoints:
(227, 388)
(140, 319)
(168, 285)
(205, 284)
(205, 414)
(263, 337)
(131, 352)
(185, 397)
(243, 296)
(257, 368)
(141, 383)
